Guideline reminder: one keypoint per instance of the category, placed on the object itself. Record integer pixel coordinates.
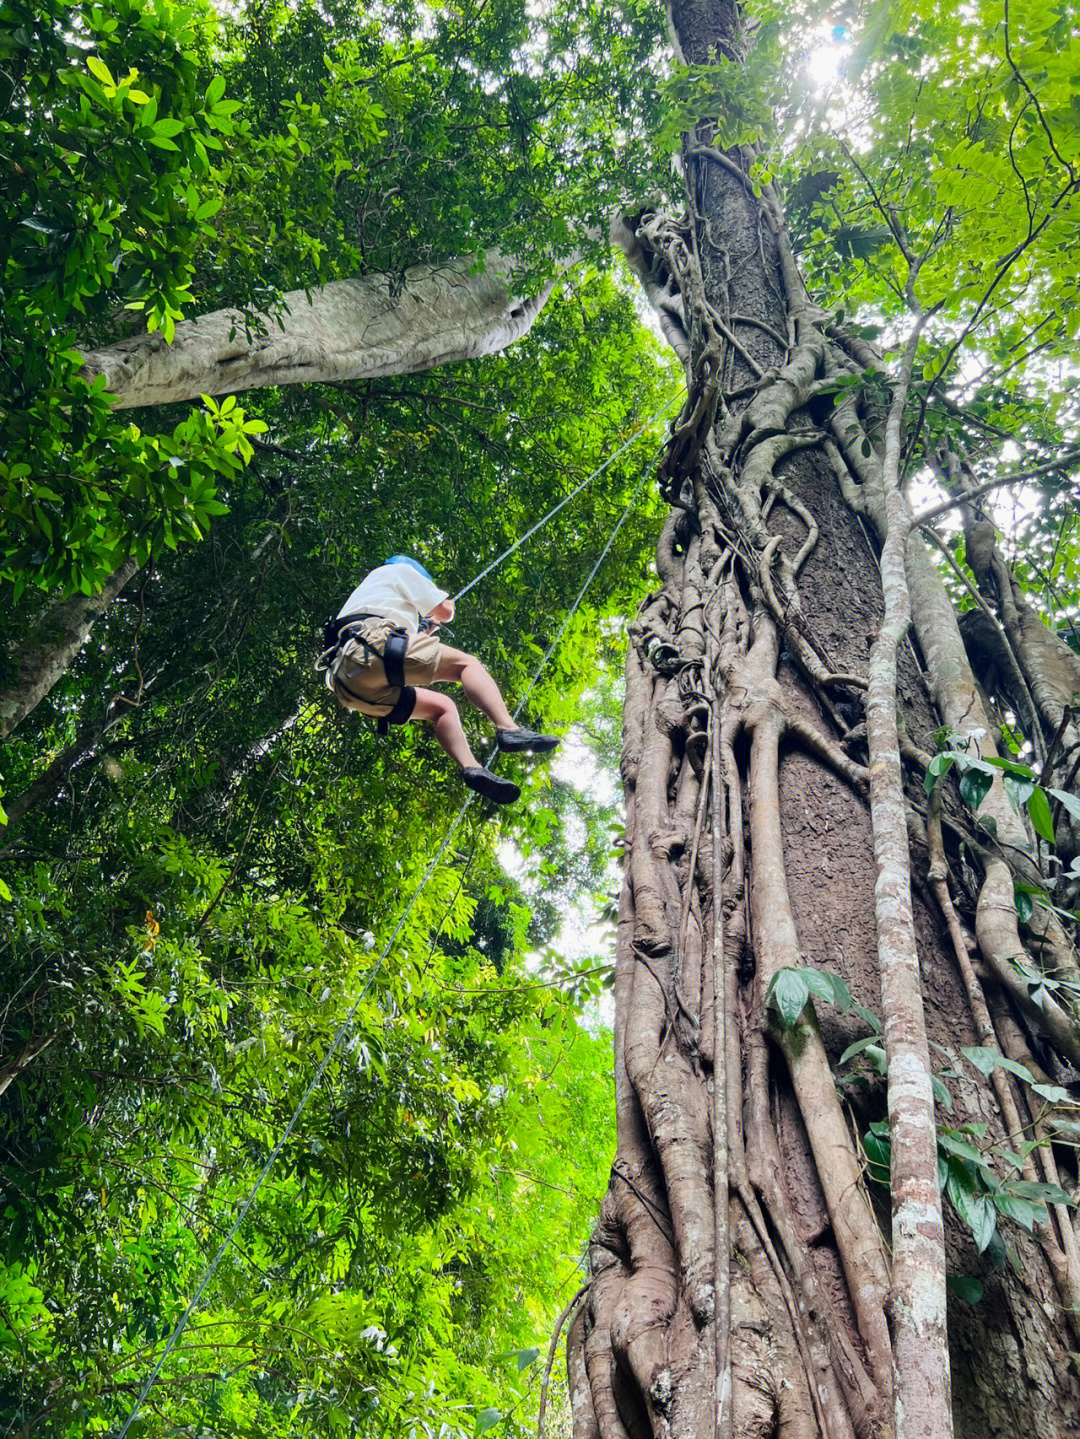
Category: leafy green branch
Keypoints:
(978, 1196)
(1019, 780)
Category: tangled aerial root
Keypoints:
(730, 1295)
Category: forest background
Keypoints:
(201, 857)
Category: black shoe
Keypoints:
(491, 786)
(525, 741)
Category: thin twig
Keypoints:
(950, 504)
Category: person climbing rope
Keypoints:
(383, 643)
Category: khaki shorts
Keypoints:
(364, 674)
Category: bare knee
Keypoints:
(447, 709)
(431, 707)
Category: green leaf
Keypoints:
(1018, 790)
(986, 1060)
(1010, 766)
(941, 1094)
(975, 1210)
(1015, 1160)
(487, 1419)
(1039, 810)
(858, 1047)
(525, 1357)
(1069, 802)
(1025, 905)
(879, 1156)
(938, 767)
(214, 91)
(827, 986)
(100, 70)
(1041, 1193)
(1026, 1213)
(1052, 1093)
(953, 1144)
(965, 1287)
(974, 787)
(788, 994)
(878, 1062)
(867, 1016)
(841, 995)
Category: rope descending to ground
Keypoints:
(346, 1024)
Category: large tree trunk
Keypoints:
(746, 1279)
(347, 330)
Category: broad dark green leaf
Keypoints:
(969, 1289)
(1026, 1213)
(976, 1210)
(1040, 1193)
(974, 787)
(1039, 810)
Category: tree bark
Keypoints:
(53, 645)
(347, 330)
(770, 687)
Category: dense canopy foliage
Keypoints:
(202, 858)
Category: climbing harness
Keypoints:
(341, 639)
(346, 1024)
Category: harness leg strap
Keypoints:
(393, 662)
(402, 711)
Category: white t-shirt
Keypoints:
(399, 592)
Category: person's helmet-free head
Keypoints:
(408, 560)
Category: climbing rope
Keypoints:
(316, 1079)
(543, 520)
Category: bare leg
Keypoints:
(440, 711)
(478, 685)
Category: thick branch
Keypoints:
(347, 330)
(1054, 467)
(53, 645)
